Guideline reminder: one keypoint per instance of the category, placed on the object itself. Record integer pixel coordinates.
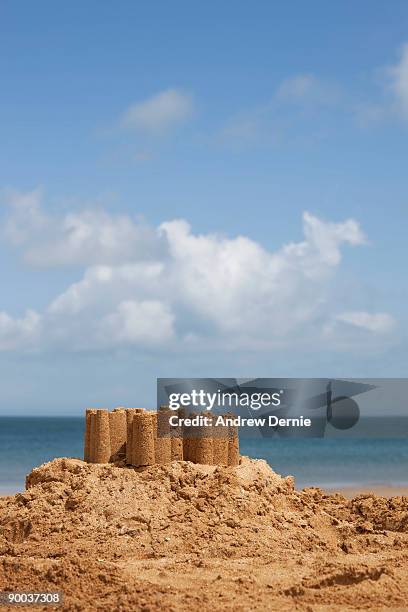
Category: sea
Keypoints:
(27, 442)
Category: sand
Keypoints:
(182, 536)
(374, 489)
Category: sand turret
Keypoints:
(142, 438)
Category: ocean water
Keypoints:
(327, 462)
(27, 442)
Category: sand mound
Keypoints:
(187, 536)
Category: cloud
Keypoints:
(27, 217)
(24, 333)
(192, 291)
(389, 101)
(159, 113)
(399, 82)
(281, 118)
(102, 286)
(307, 89)
(145, 322)
(380, 322)
(305, 108)
(241, 287)
(91, 236)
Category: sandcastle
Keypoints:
(141, 438)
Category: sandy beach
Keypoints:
(375, 489)
(185, 537)
(347, 492)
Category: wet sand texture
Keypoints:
(176, 443)
(162, 438)
(102, 450)
(130, 412)
(233, 446)
(184, 435)
(176, 446)
(129, 435)
(143, 453)
(92, 417)
(204, 445)
(118, 433)
(191, 442)
(220, 443)
(87, 441)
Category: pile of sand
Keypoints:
(183, 536)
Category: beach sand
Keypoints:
(374, 489)
(347, 492)
(192, 537)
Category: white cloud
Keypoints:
(241, 287)
(298, 87)
(91, 236)
(282, 117)
(94, 236)
(327, 237)
(21, 334)
(192, 290)
(399, 81)
(306, 107)
(103, 286)
(391, 99)
(307, 89)
(379, 322)
(27, 217)
(160, 112)
(146, 322)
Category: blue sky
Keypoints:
(199, 189)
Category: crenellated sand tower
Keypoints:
(142, 438)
